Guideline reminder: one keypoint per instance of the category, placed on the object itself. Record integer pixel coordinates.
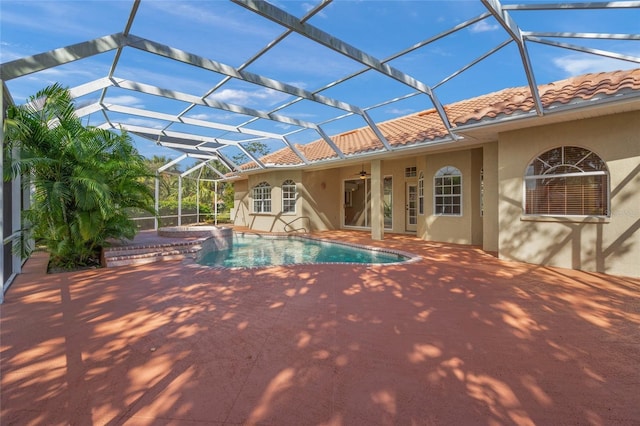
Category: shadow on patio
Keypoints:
(457, 338)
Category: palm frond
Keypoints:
(85, 178)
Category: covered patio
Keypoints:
(460, 337)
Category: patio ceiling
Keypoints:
(201, 119)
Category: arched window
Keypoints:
(289, 193)
(262, 198)
(567, 181)
(447, 192)
(421, 193)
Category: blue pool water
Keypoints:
(256, 250)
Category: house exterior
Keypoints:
(561, 188)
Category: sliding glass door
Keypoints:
(357, 203)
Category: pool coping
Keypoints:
(191, 261)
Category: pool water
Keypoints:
(260, 250)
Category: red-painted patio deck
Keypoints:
(459, 338)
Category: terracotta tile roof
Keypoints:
(519, 100)
(427, 126)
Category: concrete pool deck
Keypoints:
(459, 338)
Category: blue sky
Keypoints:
(228, 33)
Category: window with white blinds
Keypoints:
(567, 181)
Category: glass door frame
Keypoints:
(411, 205)
(350, 197)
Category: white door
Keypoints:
(411, 207)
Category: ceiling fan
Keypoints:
(363, 174)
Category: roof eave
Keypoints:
(488, 129)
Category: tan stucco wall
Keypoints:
(490, 223)
(276, 221)
(240, 211)
(476, 215)
(322, 199)
(314, 189)
(465, 229)
(611, 245)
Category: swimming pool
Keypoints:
(249, 250)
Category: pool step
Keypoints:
(142, 254)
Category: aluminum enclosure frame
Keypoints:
(206, 149)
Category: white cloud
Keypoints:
(223, 19)
(218, 117)
(200, 116)
(245, 97)
(68, 72)
(62, 18)
(180, 80)
(483, 27)
(399, 111)
(7, 54)
(127, 100)
(280, 4)
(437, 51)
(283, 126)
(299, 115)
(298, 84)
(309, 6)
(143, 122)
(582, 64)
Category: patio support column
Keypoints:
(156, 201)
(180, 200)
(21, 200)
(198, 198)
(2, 195)
(215, 203)
(12, 196)
(377, 209)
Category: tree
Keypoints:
(228, 196)
(256, 148)
(168, 180)
(203, 177)
(84, 178)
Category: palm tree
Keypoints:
(168, 179)
(84, 178)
